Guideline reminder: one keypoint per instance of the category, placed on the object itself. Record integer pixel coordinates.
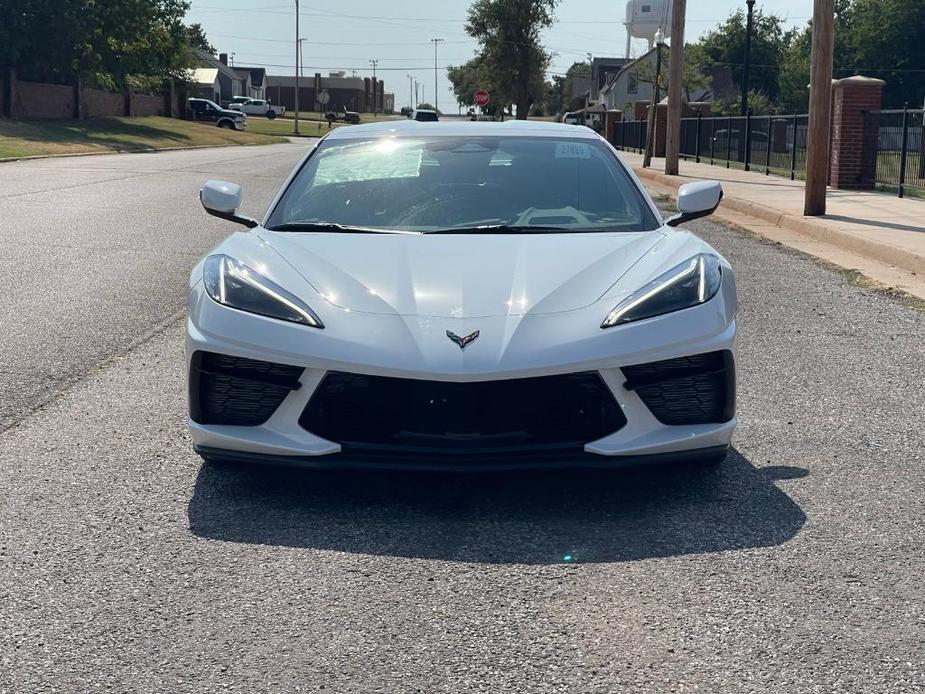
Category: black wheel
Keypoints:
(271, 114)
(225, 124)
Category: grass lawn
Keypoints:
(25, 138)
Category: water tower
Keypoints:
(644, 17)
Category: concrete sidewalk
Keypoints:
(881, 228)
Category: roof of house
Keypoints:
(258, 74)
(628, 66)
(213, 62)
(202, 75)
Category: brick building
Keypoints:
(363, 94)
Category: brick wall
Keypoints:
(97, 103)
(147, 105)
(38, 100)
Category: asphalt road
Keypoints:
(126, 565)
(96, 251)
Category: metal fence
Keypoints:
(894, 150)
(630, 135)
(768, 144)
(771, 144)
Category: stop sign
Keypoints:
(481, 98)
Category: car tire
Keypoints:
(225, 124)
(271, 114)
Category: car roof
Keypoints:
(458, 127)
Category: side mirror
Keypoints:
(696, 200)
(222, 199)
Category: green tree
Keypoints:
(196, 37)
(111, 42)
(469, 77)
(725, 47)
(884, 38)
(509, 34)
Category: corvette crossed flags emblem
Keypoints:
(463, 341)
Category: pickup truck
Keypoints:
(258, 107)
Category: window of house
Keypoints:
(632, 86)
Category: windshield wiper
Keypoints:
(331, 227)
(501, 229)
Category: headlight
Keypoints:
(689, 284)
(233, 284)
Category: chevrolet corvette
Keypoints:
(462, 296)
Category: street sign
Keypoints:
(324, 98)
(481, 98)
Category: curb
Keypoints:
(817, 230)
(146, 150)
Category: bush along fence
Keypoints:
(869, 148)
(22, 99)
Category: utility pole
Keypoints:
(298, 45)
(436, 79)
(673, 134)
(374, 63)
(416, 97)
(301, 58)
(820, 108)
(410, 91)
(749, 23)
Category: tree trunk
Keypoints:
(523, 107)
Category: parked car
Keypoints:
(573, 118)
(407, 302)
(210, 112)
(351, 117)
(425, 115)
(258, 107)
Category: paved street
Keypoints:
(126, 565)
(97, 251)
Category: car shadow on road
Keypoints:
(526, 518)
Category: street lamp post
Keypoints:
(436, 79)
(656, 97)
(748, 54)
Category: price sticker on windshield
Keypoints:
(572, 150)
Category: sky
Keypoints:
(347, 34)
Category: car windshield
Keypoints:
(444, 183)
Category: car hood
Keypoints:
(231, 112)
(464, 275)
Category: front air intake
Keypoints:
(698, 389)
(237, 391)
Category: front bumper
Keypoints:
(509, 348)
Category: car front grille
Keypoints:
(237, 391)
(698, 389)
(406, 417)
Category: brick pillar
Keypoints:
(851, 97)
(611, 118)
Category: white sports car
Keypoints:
(462, 296)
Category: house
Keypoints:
(258, 80)
(633, 82)
(231, 83)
